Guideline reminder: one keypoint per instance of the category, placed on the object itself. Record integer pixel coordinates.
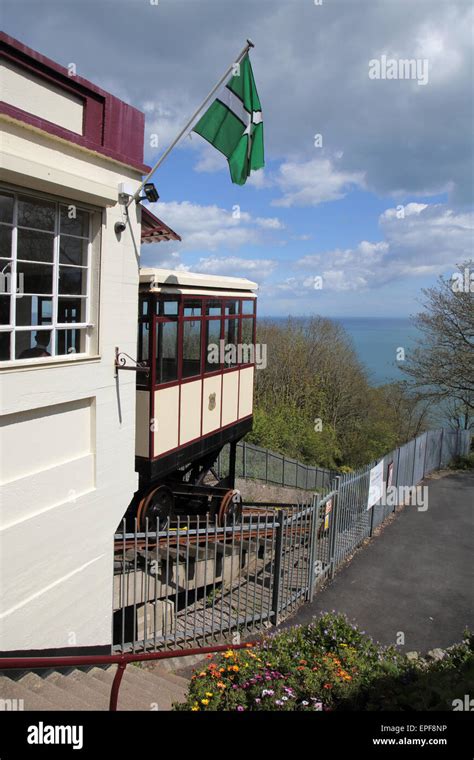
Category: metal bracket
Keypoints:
(121, 363)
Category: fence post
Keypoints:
(277, 565)
(244, 460)
(316, 502)
(441, 449)
(335, 521)
(396, 484)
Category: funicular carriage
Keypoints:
(196, 395)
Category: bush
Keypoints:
(327, 665)
(465, 462)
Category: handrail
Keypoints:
(121, 660)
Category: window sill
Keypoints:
(54, 361)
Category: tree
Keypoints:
(441, 367)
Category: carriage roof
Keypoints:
(169, 280)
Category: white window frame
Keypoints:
(91, 291)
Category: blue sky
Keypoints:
(378, 212)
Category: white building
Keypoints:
(68, 298)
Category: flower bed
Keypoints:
(328, 665)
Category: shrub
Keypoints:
(327, 665)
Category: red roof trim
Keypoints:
(154, 230)
(110, 127)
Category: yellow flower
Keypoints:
(209, 694)
(193, 709)
(229, 654)
(204, 701)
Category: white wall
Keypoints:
(67, 433)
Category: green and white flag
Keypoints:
(233, 124)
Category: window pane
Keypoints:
(5, 276)
(231, 307)
(34, 310)
(33, 212)
(166, 351)
(6, 208)
(167, 308)
(74, 221)
(4, 346)
(247, 307)
(247, 331)
(73, 251)
(143, 342)
(192, 308)
(70, 342)
(4, 310)
(35, 278)
(71, 310)
(191, 348)
(5, 242)
(35, 246)
(230, 338)
(213, 334)
(213, 308)
(72, 281)
(143, 307)
(32, 343)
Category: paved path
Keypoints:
(416, 577)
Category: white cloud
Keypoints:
(257, 269)
(419, 240)
(212, 227)
(309, 183)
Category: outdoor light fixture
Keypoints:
(151, 193)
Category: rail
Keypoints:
(121, 660)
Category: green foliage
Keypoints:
(463, 462)
(329, 665)
(314, 403)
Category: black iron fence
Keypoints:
(196, 582)
(256, 463)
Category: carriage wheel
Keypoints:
(156, 505)
(230, 507)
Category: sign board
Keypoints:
(375, 484)
(327, 512)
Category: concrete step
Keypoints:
(155, 680)
(61, 699)
(81, 686)
(173, 678)
(135, 692)
(10, 689)
(152, 691)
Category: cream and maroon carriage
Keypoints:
(196, 337)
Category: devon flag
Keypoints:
(233, 124)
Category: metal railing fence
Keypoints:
(195, 583)
(256, 463)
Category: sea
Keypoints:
(377, 341)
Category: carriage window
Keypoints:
(213, 335)
(231, 308)
(166, 352)
(191, 348)
(231, 339)
(248, 307)
(143, 342)
(247, 331)
(192, 308)
(143, 308)
(168, 308)
(213, 308)
(45, 277)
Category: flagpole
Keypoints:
(243, 52)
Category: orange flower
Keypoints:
(328, 686)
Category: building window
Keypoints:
(45, 277)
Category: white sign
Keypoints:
(375, 484)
